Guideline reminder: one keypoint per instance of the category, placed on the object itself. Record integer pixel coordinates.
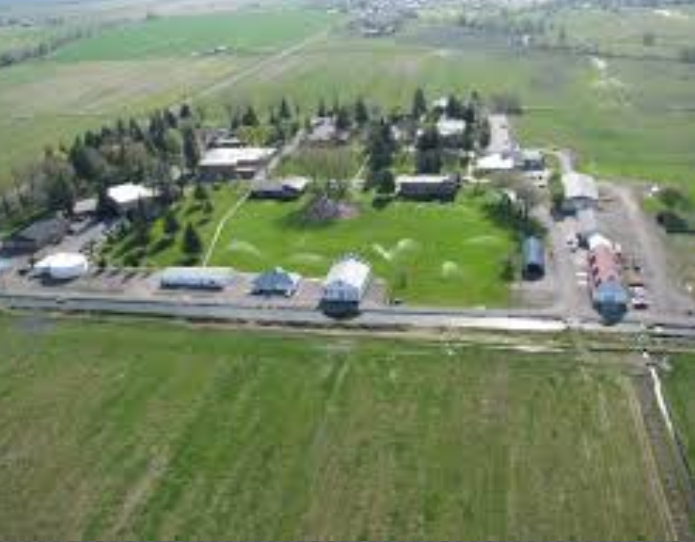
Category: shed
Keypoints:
(277, 282)
(85, 207)
(451, 128)
(196, 278)
(346, 285)
(530, 160)
(37, 236)
(586, 225)
(497, 162)
(533, 254)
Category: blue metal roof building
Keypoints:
(533, 254)
(611, 300)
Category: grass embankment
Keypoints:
(122, 431)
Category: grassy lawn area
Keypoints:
(326, 164)
(159, 253)
(428, 252)
(242, 31)
(143, 431)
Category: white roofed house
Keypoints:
(451, 130)
(580, 192)
(125, 198)
(234, 162)
(346, 285)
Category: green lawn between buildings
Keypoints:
(144, 431)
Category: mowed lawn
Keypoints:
(429, 253)
(143, 431)
(247, 30)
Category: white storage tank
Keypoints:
(63, 266)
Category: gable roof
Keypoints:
(43, 230)
(579, 185)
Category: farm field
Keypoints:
(121, 431)
(630, 119)
(242, 31)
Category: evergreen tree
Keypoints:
(171, 224)
(250, 118)
(419, 104)
(322, 112)
(191, 150)
(191, 244)
(361, 112)
(342, 119)
(285, 111)
(200, 193)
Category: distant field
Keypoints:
(636, 119)
(428, 253)
(180, 37)
(123, 432)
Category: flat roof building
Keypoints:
(37, 236)
(450, 128)
(234, 162)
(63, 266)
(424, 187)
(280, 189)
(580, 192)
(196, 278)
(126, 197)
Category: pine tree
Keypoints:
(250, 118)
(191, 244)
(171, 224)
(191, 150)
(361, 112)
(419, 104)
(285, 111)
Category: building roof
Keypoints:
(587, 221)
(43, 229)
(276, 279)
(579, 185)
(221, 275)
(496, 162)
(232, 157)
(612, 292)
(402, 180)
(533, 252)
(603, 265)
(451, 127)
(350, 271)
(531, 155)
(129, 193)
(85, 206)
(63, 262)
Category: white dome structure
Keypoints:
(63, 266)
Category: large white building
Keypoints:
(235, 162)
(346, 284)
(580, 192)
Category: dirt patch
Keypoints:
(325, 209)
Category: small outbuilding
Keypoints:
(530, 160)
(62, 266)
(427, 187)
(196, 278)
(495, 163)
(450, 129)
(346, 285)
(533, 254)
(282, 189)
(587, 226)
(39, 235)
(276, 282)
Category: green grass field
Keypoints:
(679, 385)
(123, 431)
(176, 37)
(428, 253)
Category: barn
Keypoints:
(346, 285)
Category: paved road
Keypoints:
(388, 318)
